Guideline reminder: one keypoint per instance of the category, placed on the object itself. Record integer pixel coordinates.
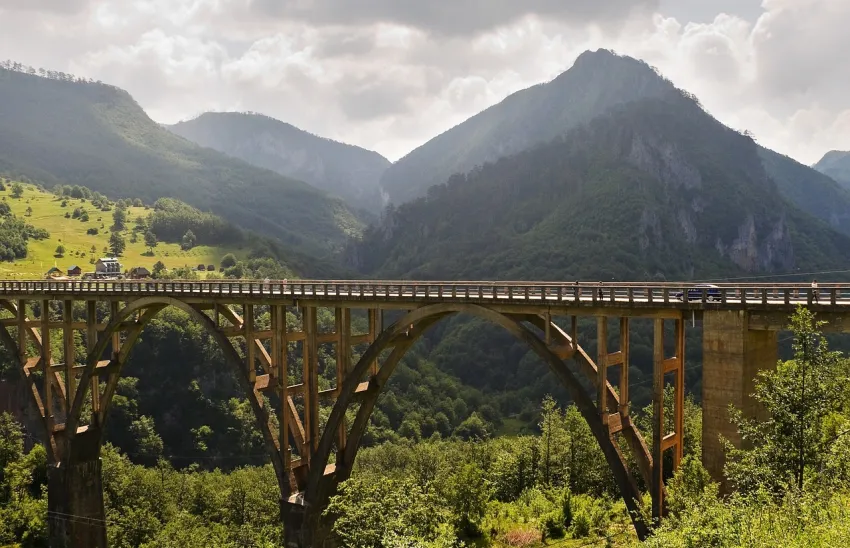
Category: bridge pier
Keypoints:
(733, 354)
(76, 514)
(304, 526)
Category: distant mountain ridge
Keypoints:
(348, 171)
(836, 164)
(94, 135)
(653, 189)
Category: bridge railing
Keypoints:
(582, 292)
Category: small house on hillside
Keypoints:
(210, 268)
(53, 272)
(139, 272)
(107, 265)
(201, 268)
(75, 271)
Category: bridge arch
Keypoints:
(414, 324)
(147, 309)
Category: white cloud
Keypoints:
(388, 75)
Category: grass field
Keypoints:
(48, 213)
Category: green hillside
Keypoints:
(63, 131)
(346, 171)
(49, 213)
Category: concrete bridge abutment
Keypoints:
(733, 354)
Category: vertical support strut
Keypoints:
(116, 336)
(311, 380)
(679, 411)
(624, 373)
(279, 373)
(250, 349)
(657, 487)
(602, 367)
(22, 332)
(574, 332)
(69, 354)
(343, 367)
(661, 439)
(91, 341)
(373, 335)
(46, 361)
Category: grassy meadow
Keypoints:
(48, 213)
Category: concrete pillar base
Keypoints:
(76, 516)
(732, 357)
(303, 527)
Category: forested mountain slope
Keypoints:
(809, 189)
(836, 164)
(347, 171)
(655, 189)
(597, 81)
(63, 131)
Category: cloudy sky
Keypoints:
(390, 74)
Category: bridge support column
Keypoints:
(732, 356)
(76, 516)
(304, 527)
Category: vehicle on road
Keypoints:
(712, 293)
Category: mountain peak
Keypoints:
(599, 57)
(598, 81)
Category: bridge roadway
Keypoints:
(395, 293)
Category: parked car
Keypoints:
(712, 293)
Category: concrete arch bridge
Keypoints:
(72, 399)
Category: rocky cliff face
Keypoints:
(757, 247)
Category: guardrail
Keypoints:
(580, 293)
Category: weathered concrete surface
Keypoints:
(76, 515)
(732, 356)
(304, 526)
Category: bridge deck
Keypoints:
(403, 294)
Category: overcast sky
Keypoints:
(390, 74)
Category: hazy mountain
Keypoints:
(810, 190)
(96, 135)
(348, 171)
(655, 188)
(596, 82)
(836, 164)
